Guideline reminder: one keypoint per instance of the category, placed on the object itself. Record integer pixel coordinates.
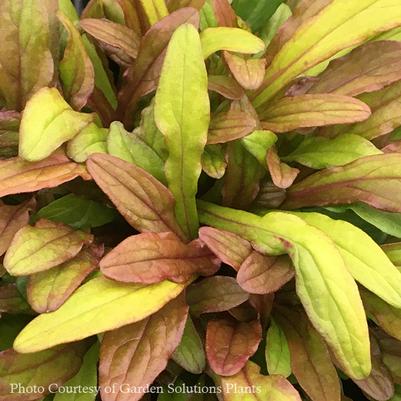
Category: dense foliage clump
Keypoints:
(200, 200)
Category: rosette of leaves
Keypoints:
(200, 193)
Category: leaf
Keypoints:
(241, 180)
(18, 176)
(215, 294)
(260, 274)
(372, 180)
(231, 39)
(361, 71)
(150, 258)
(321, 32)
(228, 247)
(132, 148)
(365, 260)
(154, 10)
(319, 152)
(303, 111)
(278, 358)
(258, 143)
(48, 369)
(249, 72)
(47, 122)
(225, 15)
(213, 161)
(142, 76)
(229, 344)
(25, 58)
(190, 353)
(257, 387)
(231, 125)
(386, 117)
(12, 218)
(76, 70)
(142, 200)
(225, 86)
(39, 248)
(279, 17)
(118, 41)
(184, 123)
(281, 173)
(86, 377)
(332, 303)
(78, 212)
(49, 289)
(310, 358)
(11, 301)
(134, 355)
(119, 304)
(91, 139)
(379, 385)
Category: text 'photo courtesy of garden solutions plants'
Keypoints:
(200, 200)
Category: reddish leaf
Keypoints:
(174, 5)
(225, 86)
(224, 13)
(310, 358)
(137, 353)
(12, 218)
(143, 76)
(229, 344)
(229, 126)
(229, 247)
(374, 180)
(18, 175)
(282, 174)
(143, 201)
(361, 70)
(48, 290)
(11, 301)
(249, 72)
(260, 274)
(150, 258)
(215, 294)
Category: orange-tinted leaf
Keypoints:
(11, 301)
(249, 72)
(229, 126)
(49, 289)
(282, 174)
(12, 218)
(215, 294)
(310, 358)
(257, 387)
(149, 258)
(174, 5)
(18, 175)
(137, 353)
(229, 344)
(225, 86)
(224, 13)
(260, 274)
(48, 369)
(39, 248)
(303, 111)
(143, 201)
(118, 41)
(228, 247)
(361, 70)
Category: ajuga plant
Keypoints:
(200, 200)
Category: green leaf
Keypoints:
(277, 353)
(48, 121)
(190, 352)
(118, 304)
(130, 147)
(326, 29)
(86, 377)
(281, 15)
(38, 248)
(213, 161)
(26, 58)
(319, 152)
(183, 122)
(332, 303)
(258, 143)
(232, 39)
(76, 70)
